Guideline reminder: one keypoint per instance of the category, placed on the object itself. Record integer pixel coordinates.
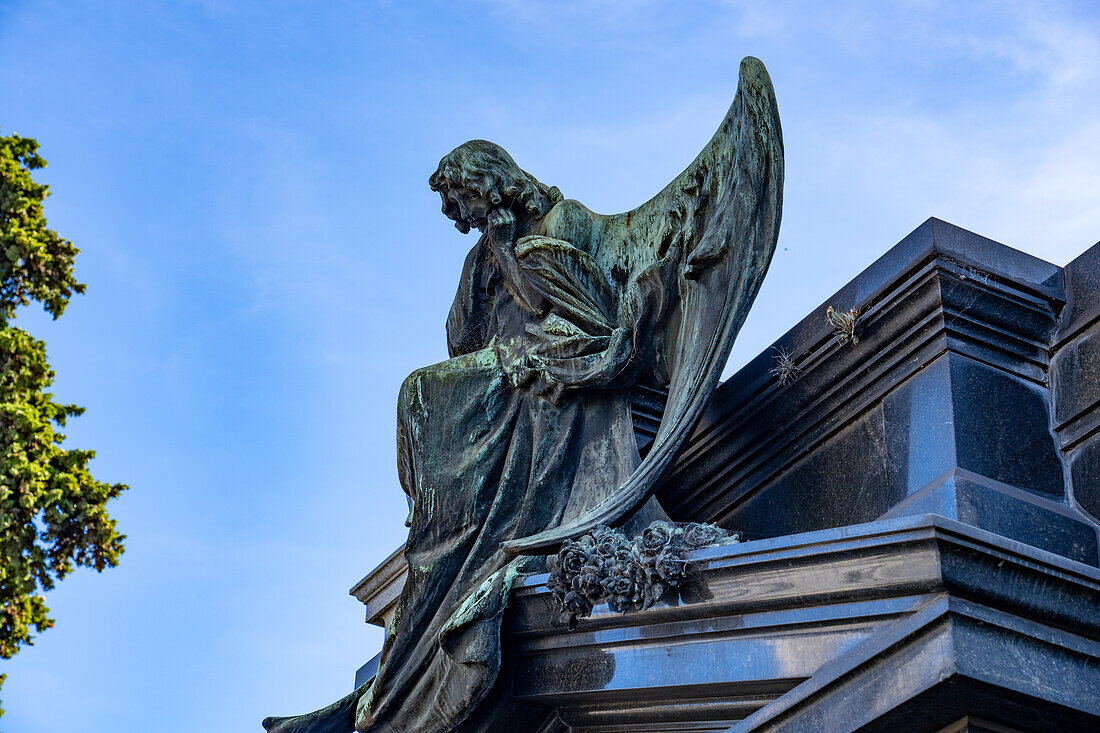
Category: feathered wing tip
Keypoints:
(720, 218)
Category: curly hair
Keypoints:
(487, 168)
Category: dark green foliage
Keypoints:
(53, 513)
(36, 264)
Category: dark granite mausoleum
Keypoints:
(919, 511)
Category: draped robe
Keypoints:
(528, 423)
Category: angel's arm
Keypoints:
(501, 236)
(468, 320)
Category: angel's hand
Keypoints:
(502, 225)
(501, 234)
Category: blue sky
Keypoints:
(265, 262)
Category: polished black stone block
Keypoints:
(1082, 278)
(945, 405)
(1085, 469)
(1075, 379)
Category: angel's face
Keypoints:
(472, 207)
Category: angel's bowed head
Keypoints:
(479, 169)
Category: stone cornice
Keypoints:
(380, 588)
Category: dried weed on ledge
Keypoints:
(785, 368)
(844, 324)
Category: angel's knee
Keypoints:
(412, 389)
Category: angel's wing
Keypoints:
(696, 253)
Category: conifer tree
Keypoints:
(53, 514)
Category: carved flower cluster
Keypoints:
(627, 574)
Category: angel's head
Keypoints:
(479, 176)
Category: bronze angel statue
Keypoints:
(524, 437)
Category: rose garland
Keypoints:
(606, 566)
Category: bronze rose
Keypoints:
(670, 567)
(701, 535)
(654, 539)
(609, 541)
(575, 554)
